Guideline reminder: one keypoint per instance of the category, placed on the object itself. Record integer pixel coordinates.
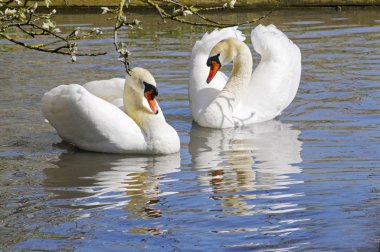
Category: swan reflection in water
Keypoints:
(243, 164)
(109, 181)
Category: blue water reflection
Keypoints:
(109, 181)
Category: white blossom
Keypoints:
(48, 25)
(57, 30)
(176, 11)
(9, 12)
(18, 2)
(97, 30)
(225, 5)
(47, 3)
(232, 3)
(76, 32)
(187, 13)
(35, 5)
(137, 22)
(105, 10)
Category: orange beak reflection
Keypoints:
(214, 67)
(151, 101)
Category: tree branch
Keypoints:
(39, 47)
(21, 15)
(208, 22)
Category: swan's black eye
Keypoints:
(152, 90)
(213, 58)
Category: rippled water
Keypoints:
(309, 180)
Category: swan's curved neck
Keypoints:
(241, 70)
(133, 106)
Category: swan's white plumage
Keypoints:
(93, 123)
(201, 94)
(272, 86)
(110, 90)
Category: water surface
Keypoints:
(308, 180)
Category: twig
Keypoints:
(208, 22)
(39, 47)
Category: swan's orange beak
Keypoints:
(151, 101)
(150, 93)
(214, 63)
(214, 67)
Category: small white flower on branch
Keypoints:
(46, 26)
(187, 13)
(225, 5)
(73, 58)
(49, 25)
(176, 11)
(53, 11)
(9, 12)
(105, 10)
(21, 16)
(97, 31)
(34, 7)
(47, 3)
(124, 53)
(76, 32)
(18, 2)
(232, 3)
(56, 30)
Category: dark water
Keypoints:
(307, 181)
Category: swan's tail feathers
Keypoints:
(89, 122)
(210, 39)
(272, 43)
(57, 108)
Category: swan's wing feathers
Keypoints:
(275, 80)
(210, 39)
(110, 90)
(89, 122)
(269, 41)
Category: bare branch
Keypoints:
(40, 47)
(121, 47)
(25, 20)
(184, 10)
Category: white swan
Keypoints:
(246, 97)
(89, 117)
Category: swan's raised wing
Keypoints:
(90, 122)
(110, 90)
(201, 94)
(275, 80)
